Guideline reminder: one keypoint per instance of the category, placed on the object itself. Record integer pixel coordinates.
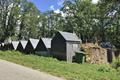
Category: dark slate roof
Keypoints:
(47, 42)
(15, 44)
(70, 36)
(23, 43)
(106, 45)
(34, 42)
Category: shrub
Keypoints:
(105, 69)
(116, 63)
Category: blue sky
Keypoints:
(44, 5)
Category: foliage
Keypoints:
(20, 19)
(116, 63)
(8, 17)
(70, 71)
(105, 68)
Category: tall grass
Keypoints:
(116, 63)
(70, 71)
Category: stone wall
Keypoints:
(95, 54)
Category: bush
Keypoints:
(118, 69)
(116, 64)
(105, 69)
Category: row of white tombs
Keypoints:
(62, 46)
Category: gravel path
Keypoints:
(11, 71)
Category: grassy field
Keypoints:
(70, 71)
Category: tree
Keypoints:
(80, 18)
(108, 21)
(30, 17)
(8, 15)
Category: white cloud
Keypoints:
(112, 13)
(63, 14)
(60, 12)
(57, 11)
(52, 7)
(95, 1)
(60, 2)
(67, 7)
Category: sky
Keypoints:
(95, 1)
(45, 5)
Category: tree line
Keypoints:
(20, 19)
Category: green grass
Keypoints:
(70, 71)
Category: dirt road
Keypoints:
(11, 71)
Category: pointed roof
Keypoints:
(106, 45)
(2, 44)
(15, 44)
(23, 43)
(47, 42)
(70, 36)
(34, 42)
